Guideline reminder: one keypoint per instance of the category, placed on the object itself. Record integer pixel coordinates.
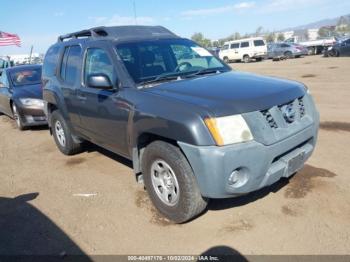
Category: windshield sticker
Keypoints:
(201, 51)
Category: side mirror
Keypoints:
(99, 81)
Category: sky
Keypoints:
(40, 22)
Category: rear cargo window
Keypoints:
(259, 43)
(50, 61)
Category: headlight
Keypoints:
(31, 102)
(229, 130)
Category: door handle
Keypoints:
(81, 97)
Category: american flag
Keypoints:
(9, 39)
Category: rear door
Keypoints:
(104, 113)
(259, 47)
(69, 80)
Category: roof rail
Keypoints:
(93, 32)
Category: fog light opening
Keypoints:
(237, 178)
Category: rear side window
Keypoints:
(70, 64)
(234, 46)
(50, 61)
(259, 43)
(244, 44)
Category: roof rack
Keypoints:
(93, 32)
(121, 33)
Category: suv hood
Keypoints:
(232, 92)
(28, 91)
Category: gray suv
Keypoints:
(193, 128)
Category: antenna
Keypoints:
(135, 16)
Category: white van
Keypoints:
(244, 50)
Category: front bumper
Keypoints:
(32, 116)
(260, 55)
(260, 165)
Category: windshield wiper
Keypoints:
(162, 77)
(206, 71)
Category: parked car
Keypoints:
(341, 48)
(5, 62)
(21, 95)
(194, 129)
(244, 50)
(288, 50)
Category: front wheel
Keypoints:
(288, 55)
(17, 117)
(63, 136)
(170, 182)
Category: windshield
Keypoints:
(26, 77)
(150, 60)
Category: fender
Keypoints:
(166, 119)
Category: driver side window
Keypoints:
(97, 62)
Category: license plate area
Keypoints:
(296, 162)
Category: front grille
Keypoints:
(301, 107)
(272, 123)
(288, 111)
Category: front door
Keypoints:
(5, 95)
(103, 113)
(234, 51)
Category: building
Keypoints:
(24, 58)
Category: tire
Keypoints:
(164, 166)
(246, 59)
(226, 60)
(63, 136)
(288, 55)
(18, 118)
(311, 51)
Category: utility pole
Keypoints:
(135, 16)
(30, 55)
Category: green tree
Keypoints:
(201, 40)
(270, 37)
(323, 32)
(259, 31)
(281, 37)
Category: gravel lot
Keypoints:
(44, 209)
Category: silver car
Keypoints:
(288, 50)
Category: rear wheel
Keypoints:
(311, 51)
(246, 59)
(170, 182)
(63, 136)
(17, 117)
(226, 60)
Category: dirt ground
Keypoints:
(44, 207)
